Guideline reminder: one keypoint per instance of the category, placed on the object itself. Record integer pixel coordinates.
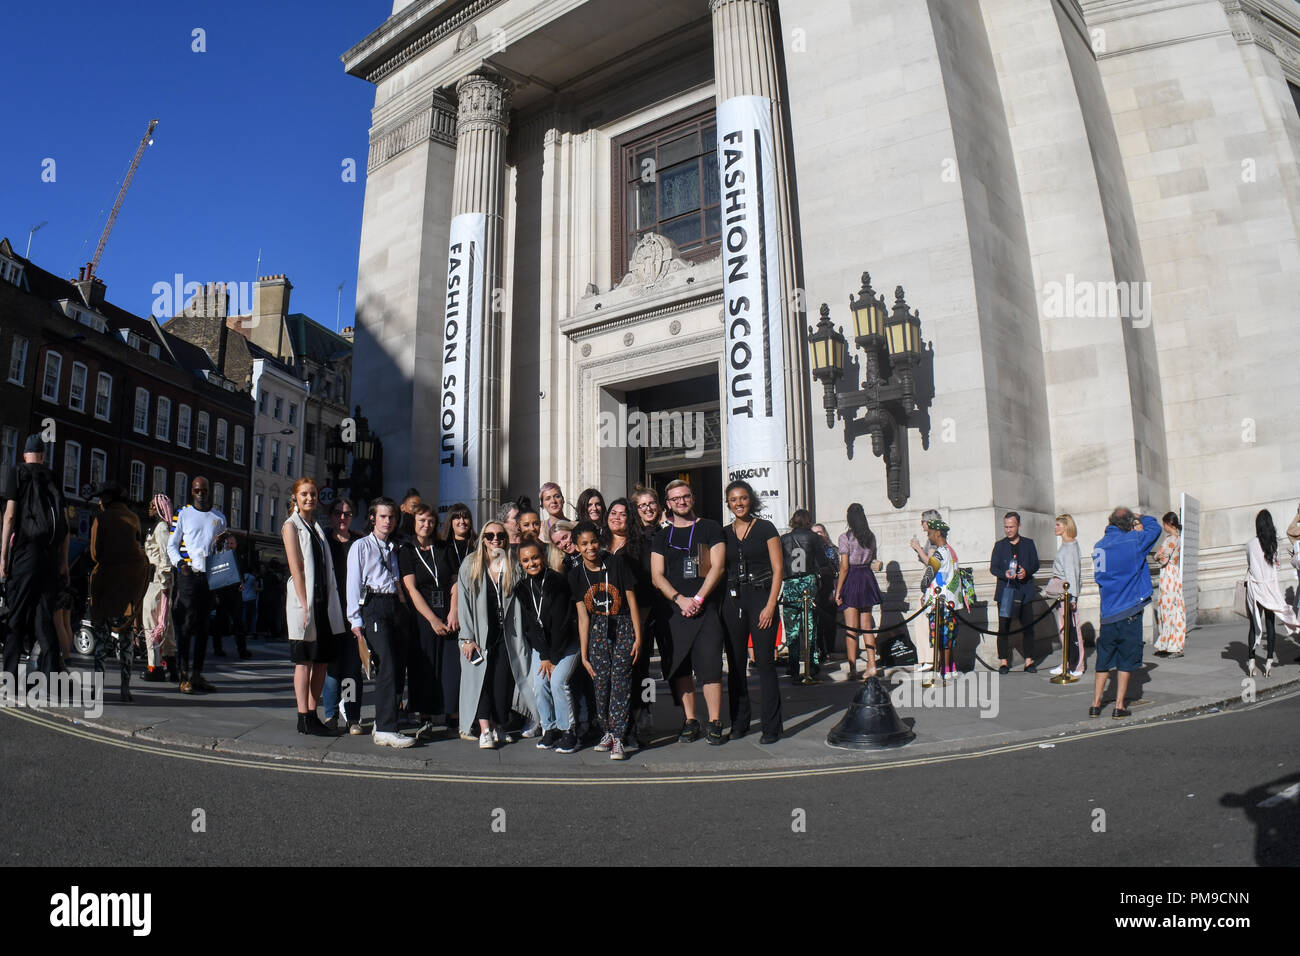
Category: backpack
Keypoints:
(41, 518)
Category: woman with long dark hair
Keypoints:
(755, 570)
(803, 554)
(458, 534)
(345, 670)
(1264, 601)
(591, 507)
(856, 590)
(1170, 612)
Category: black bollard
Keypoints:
(871, 722)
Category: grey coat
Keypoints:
(473, 611)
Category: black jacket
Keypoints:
(559, 627)
(802, 548)
(1000, 560)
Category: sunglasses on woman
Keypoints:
(494, 536)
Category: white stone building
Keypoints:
(1014, 164)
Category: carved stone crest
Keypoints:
(467, 38)
(655, 258)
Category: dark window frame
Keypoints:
(701, 116)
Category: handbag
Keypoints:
(222, 570)
(1054, 588)
(898, 650)
(1239, 600)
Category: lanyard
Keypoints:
(501, 600)
(432, 570)
(538, 601)
(608, 599)
(671, 528)
(459, 557)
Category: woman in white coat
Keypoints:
(313, 611)
(497, 655)
(1265, 604)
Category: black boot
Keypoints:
(315, 726)
(302, 723)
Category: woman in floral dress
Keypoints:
(1173, 615)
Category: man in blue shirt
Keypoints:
(1119, 562)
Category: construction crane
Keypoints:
(121, 194)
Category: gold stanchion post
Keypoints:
(935, 621)
(1067, 620)
(806, 641)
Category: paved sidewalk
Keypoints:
(254, 714)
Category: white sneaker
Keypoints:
(1056, 671)
(387, 739)
(534, 729)
(1078, 673)
(617, 752)
(487, 740)
(926, 666)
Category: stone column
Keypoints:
(745, 64)
(479, 186)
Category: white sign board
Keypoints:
(1189, 544)
(459, 412)
(754, 402)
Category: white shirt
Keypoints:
(196, 530)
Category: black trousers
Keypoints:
(30, 589)
(230, 617)
(193, 607)
(498, 686)
(433, 670)
(740, 618)
(1005, 640)
(1270, 633)
(346, 667)
(387, 632)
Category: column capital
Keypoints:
(483, 101)
(715, 4)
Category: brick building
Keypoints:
(118, 397)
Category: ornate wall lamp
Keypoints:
(892, 343)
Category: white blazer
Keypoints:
(292, 609)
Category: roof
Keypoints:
(314, 341)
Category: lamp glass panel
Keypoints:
(819, 354)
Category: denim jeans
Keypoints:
(554, 698)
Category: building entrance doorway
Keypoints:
(684, 418)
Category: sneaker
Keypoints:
(331, 724)
(355, 729)
(487, 741)
(690, 732)
(436, 721)
(715, 733)
(186, 687)
(1056, 671)
(617, 752)
(1079, 673)
(388, 739)
(154, 675)
(927, 666)
(606, 742)
(549, 739)
(534, 729)
(568, 743)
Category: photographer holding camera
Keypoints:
(377, 613)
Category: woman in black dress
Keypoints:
(754, 574)
(458, 534)
(433, 668)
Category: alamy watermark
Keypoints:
(977, 689)
(1087, 299)
(74, 690)
(684, 430)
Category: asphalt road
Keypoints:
(1184, 792)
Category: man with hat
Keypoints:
(118, 578)
(33, 558)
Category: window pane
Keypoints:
(683, 231)
(641, 160)
(679, 190)
(713, 222)
(671, 153)
(710, 137)
(643, 206)
(712, 186)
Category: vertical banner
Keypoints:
(1189, 546)
(754, 402)
(459, 416)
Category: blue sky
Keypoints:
(249, 151)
